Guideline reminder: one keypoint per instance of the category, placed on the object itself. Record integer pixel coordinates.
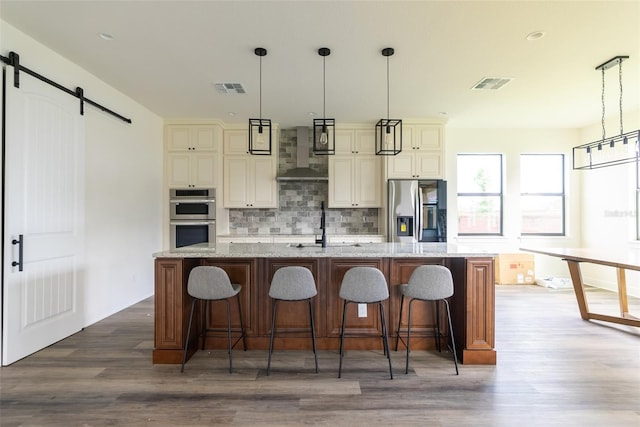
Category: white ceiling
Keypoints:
(168, 54)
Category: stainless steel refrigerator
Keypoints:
(417, 210)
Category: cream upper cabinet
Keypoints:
(191, 138)
(359, 141)
(249, 180)
(193, 156)
(355, 172)
(422, 153)
(355, 182)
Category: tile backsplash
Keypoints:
(299, 211)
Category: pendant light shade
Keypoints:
(260, 129)
(324, 130)
(388, 131)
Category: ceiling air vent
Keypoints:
(229, 88)
(491, 83)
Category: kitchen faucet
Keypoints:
(323, 226)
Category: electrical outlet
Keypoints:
(362, 310)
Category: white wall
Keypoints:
(123, 182)
(511, 143)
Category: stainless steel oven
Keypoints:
(185, 233)
(192, 204)
(192, 216)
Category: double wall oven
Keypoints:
(192, 216)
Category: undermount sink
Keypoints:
(317, 245)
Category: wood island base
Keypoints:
(472, 306)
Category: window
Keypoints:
(479, 194)
(542, 194)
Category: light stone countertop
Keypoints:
(364, 250)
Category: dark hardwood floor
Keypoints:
(554, 369)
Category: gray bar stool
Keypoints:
(292, 284)
(428, 283)
(365, 285)
(209, 283)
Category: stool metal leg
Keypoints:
(186, 339)
(313, 333)
(244, 336)
(273, 333)
(406, 367)
(399, 322)
(385, 334)
(453, 344)
(437, 331)
(205, 307)
(344, 315)
(229, 334)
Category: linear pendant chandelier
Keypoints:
(260, 129)
(613, 151)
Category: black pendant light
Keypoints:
(324, 130)
(388, 131)
(260, 129)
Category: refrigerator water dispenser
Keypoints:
(404, 226)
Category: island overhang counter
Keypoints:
(253, 266)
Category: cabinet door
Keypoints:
(178, 170)
(236, 176)
(264, 182)
(203, 138)
(236, 142)
(429, 165)
(178, 137)
(203, 170)
(345, 142)
(368, 182)
(365, 142)
(341, 171)
(428, 137)
(401, 165)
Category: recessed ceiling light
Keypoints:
(536, 35)
(105, 36)
(231, 113)
(312, 113)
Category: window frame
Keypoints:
(500, 195)
(562, 194)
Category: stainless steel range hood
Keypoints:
(302, 171)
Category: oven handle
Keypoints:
(186, 222)
(178, 201)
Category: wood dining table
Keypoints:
(620, 260)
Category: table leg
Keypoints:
(578, 287)
(622, 292)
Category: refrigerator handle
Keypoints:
(417, 232)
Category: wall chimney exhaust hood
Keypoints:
(302, 171)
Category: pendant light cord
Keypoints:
(602, 98)
(324, 89)
(260, 97)
(387, 89)
(620, 79)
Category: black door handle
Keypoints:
(20, 243)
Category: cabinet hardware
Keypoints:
(20, 243)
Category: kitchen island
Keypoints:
(253, 266)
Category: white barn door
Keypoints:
(44, 203)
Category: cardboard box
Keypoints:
(515, 269)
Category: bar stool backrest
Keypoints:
(430, 282)
(210, 283)
(364, 285)
(293, 283)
